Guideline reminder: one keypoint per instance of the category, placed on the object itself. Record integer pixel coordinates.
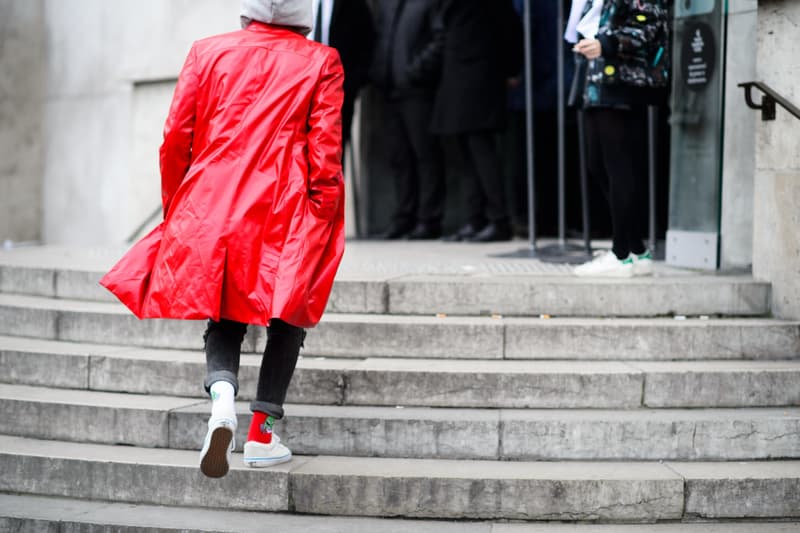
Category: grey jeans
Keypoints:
(223, 347)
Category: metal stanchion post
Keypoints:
(587, 241)
(531, 251)
(652, 139)
(562, 216)
(529, 130)
(562, 252)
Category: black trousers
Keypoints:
(483, 178)
(416, 162)
(348, 110)
(616, 159)
(223, 347)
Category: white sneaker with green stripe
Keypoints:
(642, 263)
(605, 265)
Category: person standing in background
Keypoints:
(406, 69)
(626, 44)
(482, 48)
(347, 26)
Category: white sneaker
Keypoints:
(215, 457)
(260, 455)
(606, 265)
(642, 263)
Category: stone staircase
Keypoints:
(424, 396)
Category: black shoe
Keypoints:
(466, 232)
(395, 232)
(494, 232)
(425, 232)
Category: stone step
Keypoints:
(504, 434)
(418, 382)
(41, 514)
(477, 294)
(62, 515)
(414, 488)
(348, 335)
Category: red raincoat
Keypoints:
(252, 186)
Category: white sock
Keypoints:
(222, 400)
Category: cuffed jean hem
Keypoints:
(272, 409)
(221, 375)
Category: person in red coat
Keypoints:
(253, 198)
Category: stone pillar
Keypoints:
(776, 214)
(22, 63)
(739, 152)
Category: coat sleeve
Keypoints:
(176, 150)
(325, 180)
(632, 32)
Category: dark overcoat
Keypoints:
(482, 47)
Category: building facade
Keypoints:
(85, 86)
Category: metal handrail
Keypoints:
(768, 100)
(146, 222)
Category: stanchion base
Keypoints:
(523, 253)
(571, 254)
(552, 253)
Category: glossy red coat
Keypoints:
(252, 186)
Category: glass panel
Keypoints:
(697, 103)
(688, 8)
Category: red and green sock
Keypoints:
(261, 428)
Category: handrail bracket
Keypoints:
(769, 99)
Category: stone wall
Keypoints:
(110, 68)
(776, 235)
(22, 39)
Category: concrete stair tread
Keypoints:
(115, 307)
(472, 337)
(24, 513)
(423, 382)
(436, 488)
(678, 292)
(398, 364)
(415, 432)
(47, 514)
(166, 404)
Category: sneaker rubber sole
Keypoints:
(258, 455)
(263, 462)
(214, 462)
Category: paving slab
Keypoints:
(521, 295)
(93, 322)
(427, 278)
(487, 489)
(86, 416)
(441, 382)
(741, 489)
(535, 384)
(136, 475)
(405, 336)
(443, 336)
(721, 383)
(650, 434)
(447, 433)
(651, 339)
(699, 527)
(48, 363)
(42, 514)
(410, 432)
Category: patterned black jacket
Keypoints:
(635, 62)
